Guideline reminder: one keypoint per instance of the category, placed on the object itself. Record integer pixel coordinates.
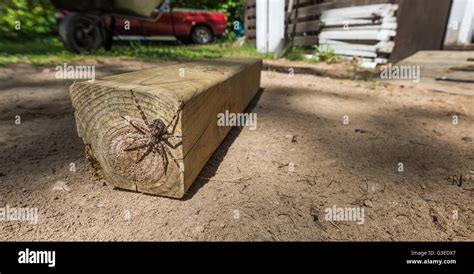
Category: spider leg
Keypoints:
(172, 156)
(130, 148)
(168, 136)
(167, 142)
(164, 157)
(149, 149)
(172, 136)
(135, 101)
(174, 120)
(137, 127)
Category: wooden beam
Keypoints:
(366, 62)
(355, 52)
(381, 35)
(361, 12)
(378, 60)
(382, 46)
(421, 26)
(314, 10)
(250, 3)
(388, 26)
(357, 22)
(297, 3)
(304, 27)
(251, 33)
(251, 23)
(305, 41)
(105, 110)
(251, 13)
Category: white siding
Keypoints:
(461, 23)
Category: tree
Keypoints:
(234, 9)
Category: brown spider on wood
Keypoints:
(155, 135)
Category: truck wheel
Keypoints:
(202, 35)
(81, 33)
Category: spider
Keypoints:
(155, 136)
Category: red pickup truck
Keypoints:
(82, 32)
(195, 26)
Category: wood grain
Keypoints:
(207, 88)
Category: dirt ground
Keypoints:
(246, 191)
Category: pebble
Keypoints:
(291, 137)
(374, 187)
(61, 186)
(438, 131)
(368, 203)
(198, 229)
(127, 215)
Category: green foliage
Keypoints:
(295, 53)
(234, 9)
(228, 37)
(50, 51)
(35, 17)
(325, 53)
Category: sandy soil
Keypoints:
(246, 191)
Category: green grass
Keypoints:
(320, 53)
(49, 51)
(325, 53)
(295, 53)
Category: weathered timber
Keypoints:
(306, 40)
(105, 109)
(360, 12)
(380, 35)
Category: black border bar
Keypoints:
(318, 257)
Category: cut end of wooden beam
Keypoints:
(104, 113)
(187, 97)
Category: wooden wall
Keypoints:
(421, 23)
(303, 25)
(350, 3)
(421, 26)
(250, 22)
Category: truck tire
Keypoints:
(81, 33)
(202, 35)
